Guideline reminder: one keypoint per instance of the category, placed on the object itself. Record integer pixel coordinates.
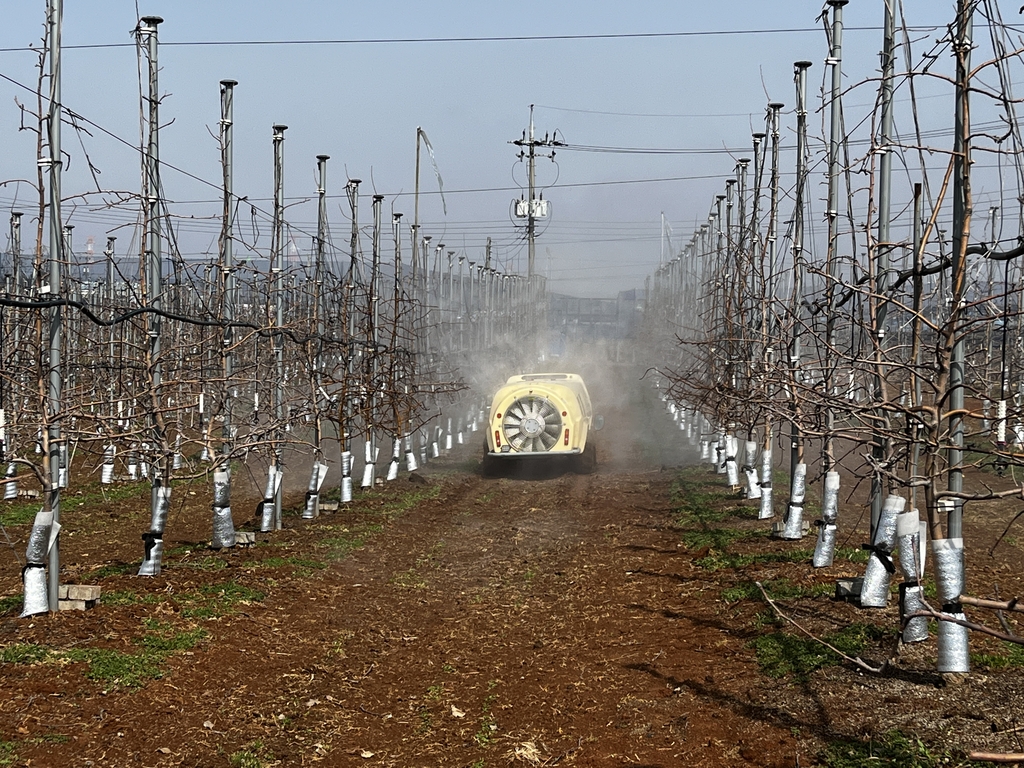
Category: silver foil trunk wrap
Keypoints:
(396, 458)
(949, 578)
(705, 450)
(153, 559)
(269, 495)
(158, 516)
(909, 533)
(11, 486)
(223, 528)
(33, 578)
(767, 510)
(732, 470)
(830, 499)
(911, 601)
(39, 538)
(346, 477)
(448, 437)
(223, 524)
(825, 547)
(880, 568)
(749, 458)
(793, 526)
(410, 456)
(316, 480)
(911, 552)
(369, 465)
(107, 472)
(222, 488)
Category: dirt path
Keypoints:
(453, 620)
(498, 621)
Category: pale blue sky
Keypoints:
(361, 103)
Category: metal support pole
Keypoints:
(958, 273)
(879, 447)
(53, 286)
(796, 438)
(832, 214)
(160, 467)
(227, 265)
(318, 310)
(277, 272)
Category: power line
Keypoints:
(476, 39)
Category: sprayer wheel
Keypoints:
(489, 466)
(586, 462)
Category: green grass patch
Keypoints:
(97, 493)
(715, 560)
(206, 563)
(410, 579)
(405, 502)
(718, 538)
(892, 750)
(130, 597)
(8, 753)
(1011, 657)
(779, 589)
(49, 738)
(253, 756)
(23, 653)
(351, 539)
(11, 604)
(215, 600)
(114, 569)
(298, 562)
(696, 500)
(173, 642)
(780, 654)
(126, 670)
(20, 512)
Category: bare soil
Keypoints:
(448, 619)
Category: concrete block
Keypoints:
(83, 592)
(849, 589)
(245, 538)
(62, 592)
(329, 507)
(73, 605)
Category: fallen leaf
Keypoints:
(367, 754)
(312, 703)
(208, 725)
(456, 712)
(164, 751)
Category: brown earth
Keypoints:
(454, 620)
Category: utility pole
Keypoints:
(160, 483)
(533, 208)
